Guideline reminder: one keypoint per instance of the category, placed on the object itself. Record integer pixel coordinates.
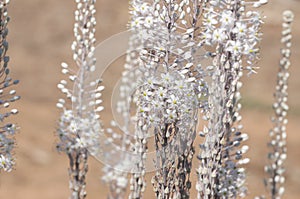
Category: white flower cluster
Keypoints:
(77, 133)
(140, 15)
(165, 100)
(7, 95)
(237, 31)
(168, 104)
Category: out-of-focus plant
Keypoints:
(7, 95)
(278, 149)
(116, 177)
(79, 126)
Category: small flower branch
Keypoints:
(116, 177)
(141, 21)
(7, 95)
(278, 150)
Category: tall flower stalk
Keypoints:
(7, 95)
(234, 32)
(79, 126)
(278, 150)
(167, 93)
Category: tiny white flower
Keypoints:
(146, 94)
(148, 22)
(73, 127)
(144, 8)
(250, 49)
(5, 163)
(166, 77)
(210, 20)
(144, 109)
(136, 23)
(219, 35)
(240, 29)
(227, 19)
(67, 115)
(161, 92)
(171, 115)
(173, 100)
(80, 143)
(235, 47)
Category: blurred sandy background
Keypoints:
(40, 38)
